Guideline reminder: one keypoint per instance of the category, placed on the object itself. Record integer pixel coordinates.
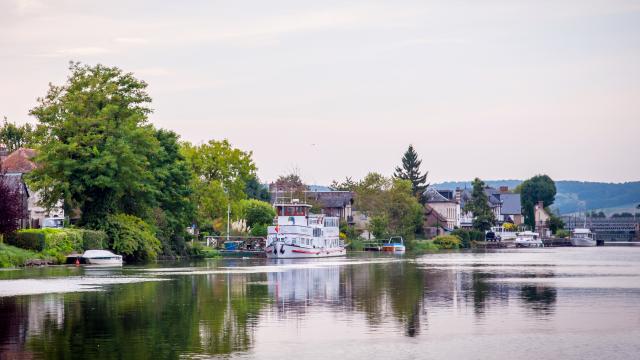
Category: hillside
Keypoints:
(577, 195)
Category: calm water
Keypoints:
(521, 304)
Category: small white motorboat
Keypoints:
(528, 239)
(102, 257)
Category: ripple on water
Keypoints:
(64, 285)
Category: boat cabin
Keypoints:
(292, 214)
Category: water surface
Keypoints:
(568, 303)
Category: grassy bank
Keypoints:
(11, 256)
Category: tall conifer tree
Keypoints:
(410, 170)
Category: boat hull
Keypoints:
(529, 244)
(104, 262)
(583, 242)
(284, 251)
(393, 248)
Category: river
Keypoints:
(569, 303)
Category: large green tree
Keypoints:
(538, 188)
(410, 170)
(478, 205)
(98, 146)
(220, 176)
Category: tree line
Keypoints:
(116, 172)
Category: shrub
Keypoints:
(257, 212)
(131, 237)
(355, 244)
(468, 237)
(94, 239)
(424, 245)
(563, 234)
(30, 239)
(259, 230)
(447, 242)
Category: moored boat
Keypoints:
(394, 244)
(102, 257)
(528, 239)
(582, 237)
(298, 234)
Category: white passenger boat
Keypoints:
(102, 257)
(298, 234)
(528, 239)
(582, 237)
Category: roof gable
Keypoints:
(19, 161)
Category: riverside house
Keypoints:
(16, 165)
(449, 204)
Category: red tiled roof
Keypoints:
(19, 161)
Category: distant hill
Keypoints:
(575, 196)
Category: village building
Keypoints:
(506, 206)
(542, 218)
(445, 204)
(17, 165)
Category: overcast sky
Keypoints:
(495, 89)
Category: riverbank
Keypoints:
(11, 256)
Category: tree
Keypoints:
(347, 185)
(16, 136)
(483, 217)
(403, 211)
(370, 194)
(174, 211)
(538, 188)
(255, 190)
(11, 210)
(220, 173)
(98, 144)
(257, 212)
(410, 170)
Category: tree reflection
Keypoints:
(201, 314)
(541, 299)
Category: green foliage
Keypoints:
(255, 190)
(555, 222)
(257, 212)
(468, 237)
(131, 237)
(563, 234)
(355, 245)
(94, 240)
(424, 245)
(98, 146)
(27, 239)
(483, 217)
(347, 185)
(538, 188)
(378, 227)
(197, 250)
(447, 242)
(404, 212)
(16, 136)
(173, 210)
(220, 173)
(11, 256)
(259, 230)
(55, 243)
(350, 232)
(410, 170)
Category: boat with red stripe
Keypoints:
(298, 234)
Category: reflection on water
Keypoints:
(454, 305)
